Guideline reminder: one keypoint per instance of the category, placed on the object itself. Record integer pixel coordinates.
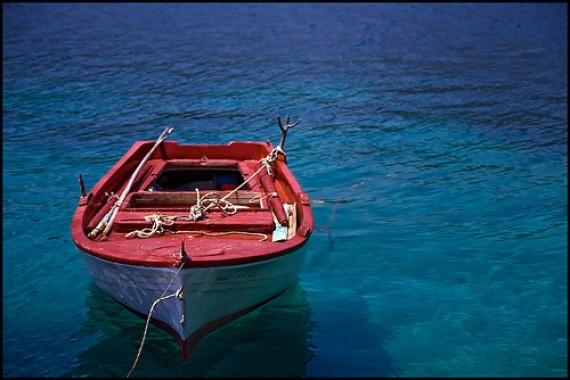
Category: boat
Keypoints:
(191, 237)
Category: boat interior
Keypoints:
(171, 186)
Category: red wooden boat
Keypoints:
(193, 236)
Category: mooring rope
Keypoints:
(156, 302)
(272, 156)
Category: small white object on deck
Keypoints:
(291, 211)
(281, 232)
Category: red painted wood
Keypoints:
(268, 182)
(254, 221)
(203, 251)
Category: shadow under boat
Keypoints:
(272, 340)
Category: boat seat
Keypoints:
(254, 220)
(185, 199)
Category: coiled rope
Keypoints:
(208, 201)
(158, 221)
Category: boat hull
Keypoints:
(208, 297)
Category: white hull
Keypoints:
(208, 294)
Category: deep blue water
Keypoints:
(435, 134)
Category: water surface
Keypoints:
(435, 134)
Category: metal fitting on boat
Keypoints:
(82, 186)
(183, 254)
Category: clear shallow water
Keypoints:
(435, 134)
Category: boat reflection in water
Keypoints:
(271, 340)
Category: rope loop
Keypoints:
(271, 157)
(158, 221)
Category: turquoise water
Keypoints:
(435, 135)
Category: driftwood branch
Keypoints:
(285, 128)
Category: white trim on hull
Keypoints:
(207, 293)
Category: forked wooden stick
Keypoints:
(284, 129)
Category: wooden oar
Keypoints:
(107, 221)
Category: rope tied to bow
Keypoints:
(161, 298)
(270, 158)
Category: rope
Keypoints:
(205, 203)
(259, 197)
(158, 221)
(156, 302)
(272, 156)
(214, 234)
(197, 211)
(265, 163)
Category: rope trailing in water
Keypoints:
(205, 203)
(156, 302)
